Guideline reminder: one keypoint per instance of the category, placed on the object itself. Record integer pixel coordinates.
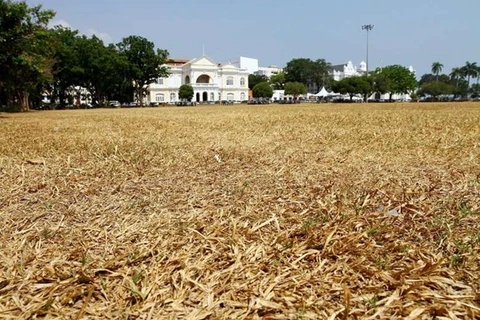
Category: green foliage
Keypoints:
(295, 88)
(475, 90)
(436, 89)
(278, 81)
(354, 85)
(254, 79)
(25, 53)
(185, 92)
(437, 67)
(400, 79)
(431, 77)
(262, 90)
(144, 64)
(307, 71)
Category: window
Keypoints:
(212, 96)
(172, 97)
(242, 96)
(229, 96)
(242, 82)
(160, 80)
(159, 97)
(230, 81)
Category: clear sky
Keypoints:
(408, 32)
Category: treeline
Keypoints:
(455, 85)
(302, 74)
(35, 60)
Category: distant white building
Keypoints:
(211, 81)
(340, 71)
(244, 63)
(252, 66)
(269, 71)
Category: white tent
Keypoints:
(322, 93)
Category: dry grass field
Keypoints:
(241, 212)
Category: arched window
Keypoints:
(159, 97)
(229, 81)
(229, 96)
(242, 81)
(187, 80)
(172, 97)
(212, 96)
(204, 78)
(242, 96)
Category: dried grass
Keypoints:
(272, 212)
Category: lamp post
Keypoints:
(368, 28)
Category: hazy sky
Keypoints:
(408, 32)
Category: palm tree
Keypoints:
(478, 74)
(456, 74)
(437, 68)
(470, 70)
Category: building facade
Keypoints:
(340, 71)
(269, 71)
(252, 66)
(211, 82)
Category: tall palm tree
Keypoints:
(437, 68)
(470, 71)
(478, 74)
(456, 74)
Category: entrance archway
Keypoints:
(205, 96)
(198, 97)
(204, 78)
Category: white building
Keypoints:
(211, 82)
(340, 71)
(252, 66)
(269, 71)
(249, 64)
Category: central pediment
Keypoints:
(203, 62)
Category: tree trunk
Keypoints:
(139, 91)
(61, 96)
(390, 97)
(23, 103)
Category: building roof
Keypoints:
(338, 67)
(175, 61)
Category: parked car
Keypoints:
(114, 103)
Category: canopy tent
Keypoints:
(322, 93)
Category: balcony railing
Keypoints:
(204, 85)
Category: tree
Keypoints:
(475, 90)
(25, 54)
(144, 64)
(470, 70)
(105, 70)
(298, 70)
(428, 77)
(437, 68)
(254, 79)
(436, 89)
(278, 81)
(319, 73)
(354, 85)
(400, 78)
(295, 89)
(262, 90)
(185, 92)
(66, 69)
(381, 83)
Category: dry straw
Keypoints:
(272, 212)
